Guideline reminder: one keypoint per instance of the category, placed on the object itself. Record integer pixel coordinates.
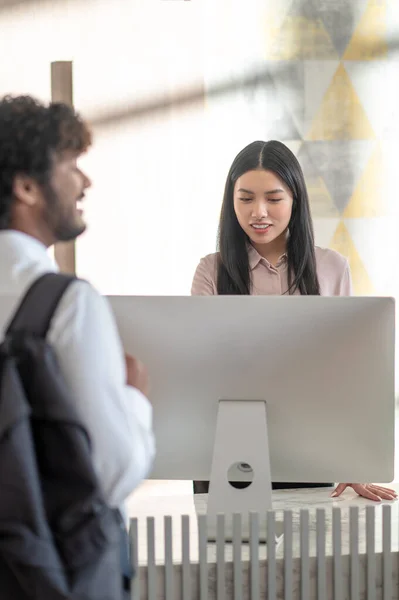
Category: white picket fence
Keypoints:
(249, 571)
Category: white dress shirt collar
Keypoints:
(16, 247)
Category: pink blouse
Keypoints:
(332, 270)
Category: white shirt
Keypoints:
(84, 337)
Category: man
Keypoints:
(42, 189)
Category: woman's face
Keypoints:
(263, 206)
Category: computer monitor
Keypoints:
(308, 381)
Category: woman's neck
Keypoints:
(274, 250)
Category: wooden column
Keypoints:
(62, 91)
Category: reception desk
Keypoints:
(333, 548)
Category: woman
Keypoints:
(266, 246)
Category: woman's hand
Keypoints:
(366, 490)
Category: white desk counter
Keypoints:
(349, 566)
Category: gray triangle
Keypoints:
(340, 163)
(340, 18)
(308, 11)
(321, 202)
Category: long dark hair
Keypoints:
(233, 276)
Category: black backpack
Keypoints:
(58, 538)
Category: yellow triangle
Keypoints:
(342, 243)
(299, 38)
(341, 115)
(321, 203)
(369, 39)
(369, 198)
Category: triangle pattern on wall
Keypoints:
(377, 86)
(370, 194)
(369, 40)
(340, 164)
(302, 35)
(289, 82)
(324, 229)
(368, 235)
(321, 203)
(318, 77)
(343, 243)
(340, 18)
(341, 115)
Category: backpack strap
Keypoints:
(37, 307)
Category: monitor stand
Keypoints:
(241, 446)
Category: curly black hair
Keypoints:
(32, 134)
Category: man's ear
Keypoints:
(25, 190)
